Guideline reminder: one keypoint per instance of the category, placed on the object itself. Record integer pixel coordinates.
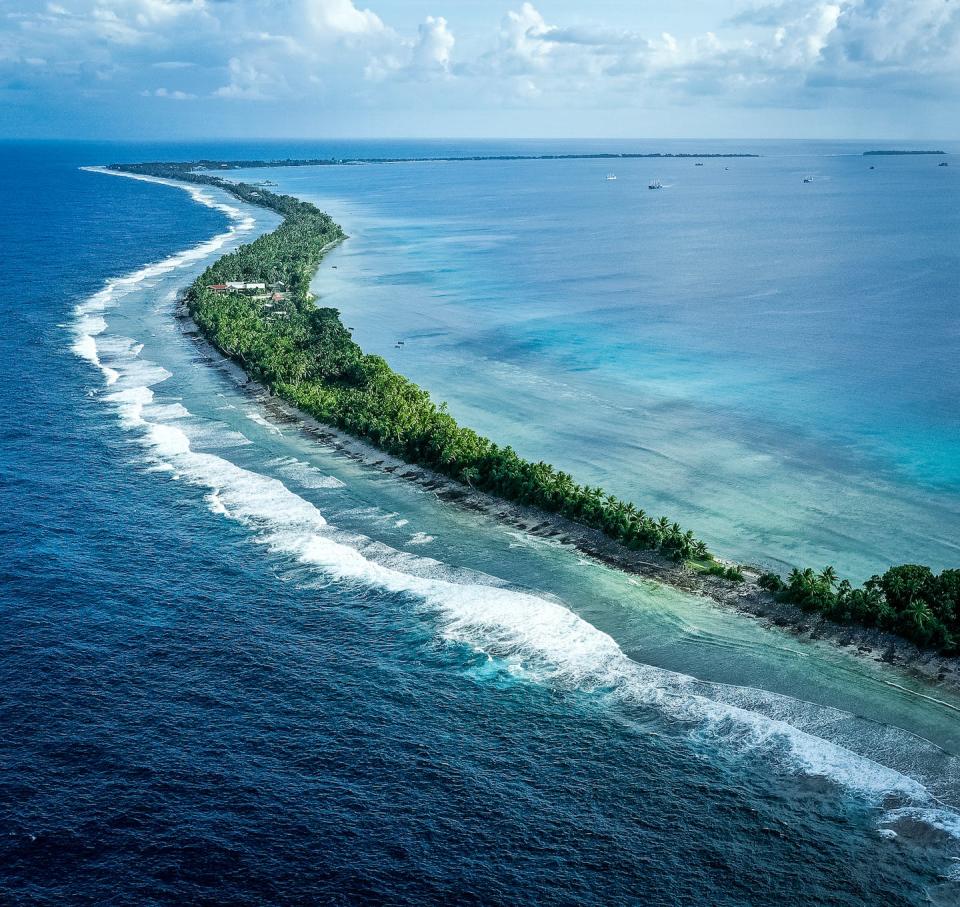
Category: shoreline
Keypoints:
(747, 597)
(635, 545)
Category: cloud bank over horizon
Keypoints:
(145, 68)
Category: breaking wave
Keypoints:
(89, 320)
(540, 638)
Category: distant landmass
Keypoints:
(869, 153)
(305, 355)
(174, 170)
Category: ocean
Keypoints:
(240, 667)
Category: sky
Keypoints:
(181, 69)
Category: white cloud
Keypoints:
(343, 54)
(341, 17)
(174, 95)
(522, 40)
(429, 56)
(434, 45)
(784, 54)
(248, 82)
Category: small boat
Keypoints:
(698, 164)
(611, 176)
(808, 179)
(656, 184)
(943, 164)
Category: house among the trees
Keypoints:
(234, 286)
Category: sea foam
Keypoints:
(547, 641)
(89, 321)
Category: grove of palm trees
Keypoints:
(304, 354)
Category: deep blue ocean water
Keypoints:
(236, 667)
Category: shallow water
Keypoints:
(770, 362)
(243, 667)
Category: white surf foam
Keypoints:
(260, 420)
(420, 538)
(305, 475)
(89, 321)
(543, 639)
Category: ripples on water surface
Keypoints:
(769, 361)
(241, 668)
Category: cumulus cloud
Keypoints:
(251, 82)
(523, 44)
(434, 45)
(786, 54)
(794, 53)
(427, 57)
(341, 17)
(174, 95)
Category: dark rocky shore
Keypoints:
(746, 597)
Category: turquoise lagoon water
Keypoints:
(773, 363)
(240, 668)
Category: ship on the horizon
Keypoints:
(656, 184)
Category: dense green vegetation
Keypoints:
(910, 600)
(305, 355)
(731, 572)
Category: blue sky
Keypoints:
(328, 68)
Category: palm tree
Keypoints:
(919, 619)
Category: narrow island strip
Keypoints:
(172, 169)
(255, 307)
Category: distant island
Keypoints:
(175, 169)
(897, 153)
(254, 305)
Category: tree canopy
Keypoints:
(304, 354)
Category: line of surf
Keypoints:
(89, 320)
(545, 640)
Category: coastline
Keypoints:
(748, 594)
(748, 598)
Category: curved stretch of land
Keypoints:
(895, 153)
(173, 170)
(255, 307)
